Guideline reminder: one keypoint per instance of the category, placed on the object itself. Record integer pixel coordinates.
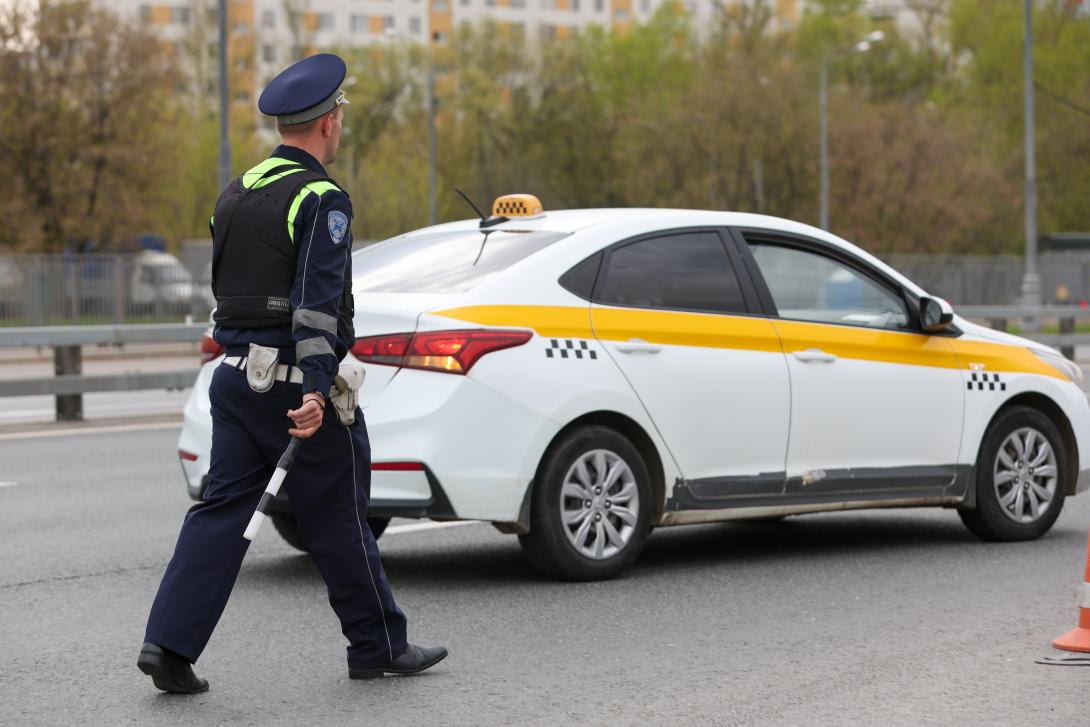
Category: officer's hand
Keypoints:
(308, 417)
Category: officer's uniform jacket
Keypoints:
(319, 225)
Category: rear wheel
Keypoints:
(1020, 476)
(591, 507)
(286, 524)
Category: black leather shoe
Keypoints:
(415, 660)
(170, 672)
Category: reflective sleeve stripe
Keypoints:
(1084, 596)
(313, 319)
(316, 346)
(318, 188)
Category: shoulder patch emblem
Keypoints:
(338, 225)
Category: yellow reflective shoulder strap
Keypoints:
(319, 188)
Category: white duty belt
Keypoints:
(284, 372)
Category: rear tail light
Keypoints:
(209, 348)
(397, 467)
(452, 352)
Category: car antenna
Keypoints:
(470, 203)
(485, 221)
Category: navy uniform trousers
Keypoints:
(329, 486)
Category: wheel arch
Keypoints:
(635, 433)
(1055, 413)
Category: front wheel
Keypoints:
(1020, 475)
(591, 507)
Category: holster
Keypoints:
(345, 392)
(261, 367)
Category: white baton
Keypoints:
(273, 487)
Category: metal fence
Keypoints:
(145, 287)
(40, 289)
(996, 279)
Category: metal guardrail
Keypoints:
(69, 385)
(999, 317)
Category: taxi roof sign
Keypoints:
(523, 206)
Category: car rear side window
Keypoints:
(580, 279)
(685, 271)
(443, 262)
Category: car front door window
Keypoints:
(806, 286)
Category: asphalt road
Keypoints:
(880, 618)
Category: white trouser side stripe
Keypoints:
(363, 544)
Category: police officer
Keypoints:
(281, 273)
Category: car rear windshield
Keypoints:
(443, 262)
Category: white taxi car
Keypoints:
(579, 377)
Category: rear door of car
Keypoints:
(876, 404)
(684, 327)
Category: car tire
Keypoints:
(610, 535)
(288, 527)
(1001, 512)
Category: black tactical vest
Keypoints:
(254, 258)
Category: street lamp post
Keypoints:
(1031, 281)
(823, 118)
(433, 143)
(225, 139)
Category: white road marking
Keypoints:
(428, 525)
(8, 484)
(76, 431)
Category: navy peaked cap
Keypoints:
(304, 90)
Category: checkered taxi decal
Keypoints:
(569, 348)
(981, 381)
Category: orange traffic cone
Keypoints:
(1078, 638)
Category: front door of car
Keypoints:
(876, 404)
(673, 314)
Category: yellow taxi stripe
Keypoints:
(757, 334)
(1002, 357)
(868, 344)
(552, 321)
(686, 329)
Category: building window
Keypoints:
(415, 26)
(438, 37)
(325, 21)
(358, 23)
(621, 14)
(490, 3)
(548, 4)
(179, 15)
(268, 53)
(575, 6)
(145, 13)
(268, 19)
(464, 3)
(241, 27)
(440, 6)
(389, 22)
(548, 32)
(599, 6)
(645, 6)
(518, 3)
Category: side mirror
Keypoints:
(936, 314)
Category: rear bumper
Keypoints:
(436, 506)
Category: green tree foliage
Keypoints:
(85, 110)
(925, 125)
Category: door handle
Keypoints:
(814, 355)
(638, 345)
